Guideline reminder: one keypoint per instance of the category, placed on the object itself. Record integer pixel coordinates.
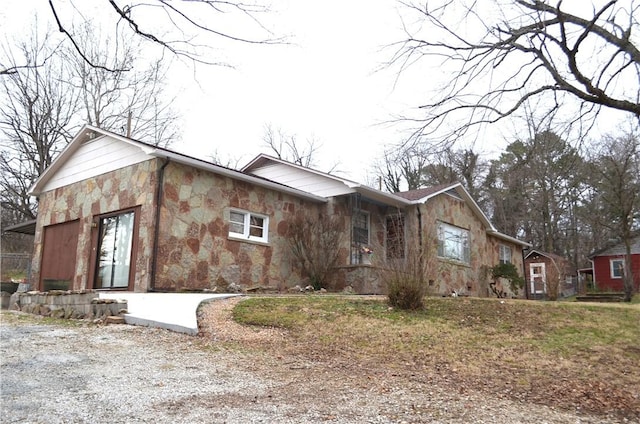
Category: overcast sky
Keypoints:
(327, 84)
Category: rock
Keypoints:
(114, 320)
(234, 288)
(57, 313)
(75, 314)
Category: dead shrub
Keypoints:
(407, 267)
(406, 292)
(315, 245)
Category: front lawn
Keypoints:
(568, 355)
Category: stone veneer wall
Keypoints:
(121, 189)
(195, 250)
(471, 278)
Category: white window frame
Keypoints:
(504, 249)
(450, 233)
(613, 268)
(247, 226)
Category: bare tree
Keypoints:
(36, 122)
(389, 174)
(188, 29)
(498, 57)
(416, 165)
(403, 167)
(133, 103)
(617, 180)
(45, 101)
(288, 147)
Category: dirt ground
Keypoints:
(68, 372)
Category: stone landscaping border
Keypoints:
(73, 304)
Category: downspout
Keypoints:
(154, 251)
(524, 274)
(593, 277)
(420, 251)
(419, 228)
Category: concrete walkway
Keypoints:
(173, 311)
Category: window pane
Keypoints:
(505, 254)
(361, 228)
(236, 228)
(454, 243)
(236, 217)
(114, 261)
(617, 268)
(236, 222)
(256, 232)
(256, 228)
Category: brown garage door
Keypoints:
(59, 256)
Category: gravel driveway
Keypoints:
(119, 373)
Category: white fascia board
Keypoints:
(505, 237)
(237, 175)
(539, 252)
(380, 196)
(263, 156)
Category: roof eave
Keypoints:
(379, 196)
(505, 237)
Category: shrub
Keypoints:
(315, 245)
(406, 292)
(510, 272)
(407, 269)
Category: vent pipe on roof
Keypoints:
(129, 124)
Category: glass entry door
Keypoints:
(114, 251)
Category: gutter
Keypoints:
(154, 251)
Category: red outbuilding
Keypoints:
(608, 266)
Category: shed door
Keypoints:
(58, 266)
(538, 278)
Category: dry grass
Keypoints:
(560, 354)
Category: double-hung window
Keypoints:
(248, 226)
(453, 243)
(617, 268)
(505, 254)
